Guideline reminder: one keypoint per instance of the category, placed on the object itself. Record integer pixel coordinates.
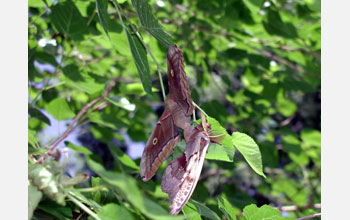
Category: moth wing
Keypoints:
(178, 86)
(159, 146)
(182, 174)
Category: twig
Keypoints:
(310, 216)
(199, 108)
(296, 208)
(79, 115)
(83, 207)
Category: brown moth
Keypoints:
(178, 109)
(182, 174)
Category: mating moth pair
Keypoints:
(181, 175)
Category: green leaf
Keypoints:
(34, 197)
(127, 186)
(118, 154)
(96, 194)
(205, 211)
(36, 3)
(36, 113)
(57, 211)
(32, 140)
(190, 211)
(286, 107)
(250, 151)
(113, 211)
(252, 212)
(311, 137)
(102, 6)
(139, 54)
(68, 20)
(150, 23)
(226, 207)
(83, 80)
(60, 109)
(79, 149)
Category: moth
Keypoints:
(178, 109)
(181, 175)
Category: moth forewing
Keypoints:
(159, 146)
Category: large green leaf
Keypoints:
(36, 113)
(113, 211)
(83, 80)
(127, 187)
(252, 212)
(150, 23)
(311, 137)
(250, 151)
(139, 54)
(190, 211)
(118, 154)
(60, 109)
(79, 149)
(68, 20)
(205, 211)
(102, 6)
(226, 207)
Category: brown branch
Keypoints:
(296, 208)
(76, 119)
(310, 216)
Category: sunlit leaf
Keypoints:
(68, 20)
(252, 212)
(102, 6)
(150, 23)
(205, 211)
(113, 211)
(60, 109)
(226, 207)
(79, 149)
(139, 54)
(250, 151)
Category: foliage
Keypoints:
(253, 66)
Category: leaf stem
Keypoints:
(199, 108)
(83, 207)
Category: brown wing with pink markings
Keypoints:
(178, 86)
(181, 175)
(159, 146)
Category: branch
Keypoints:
(77, 117)
(296, 208)
(310, 216)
